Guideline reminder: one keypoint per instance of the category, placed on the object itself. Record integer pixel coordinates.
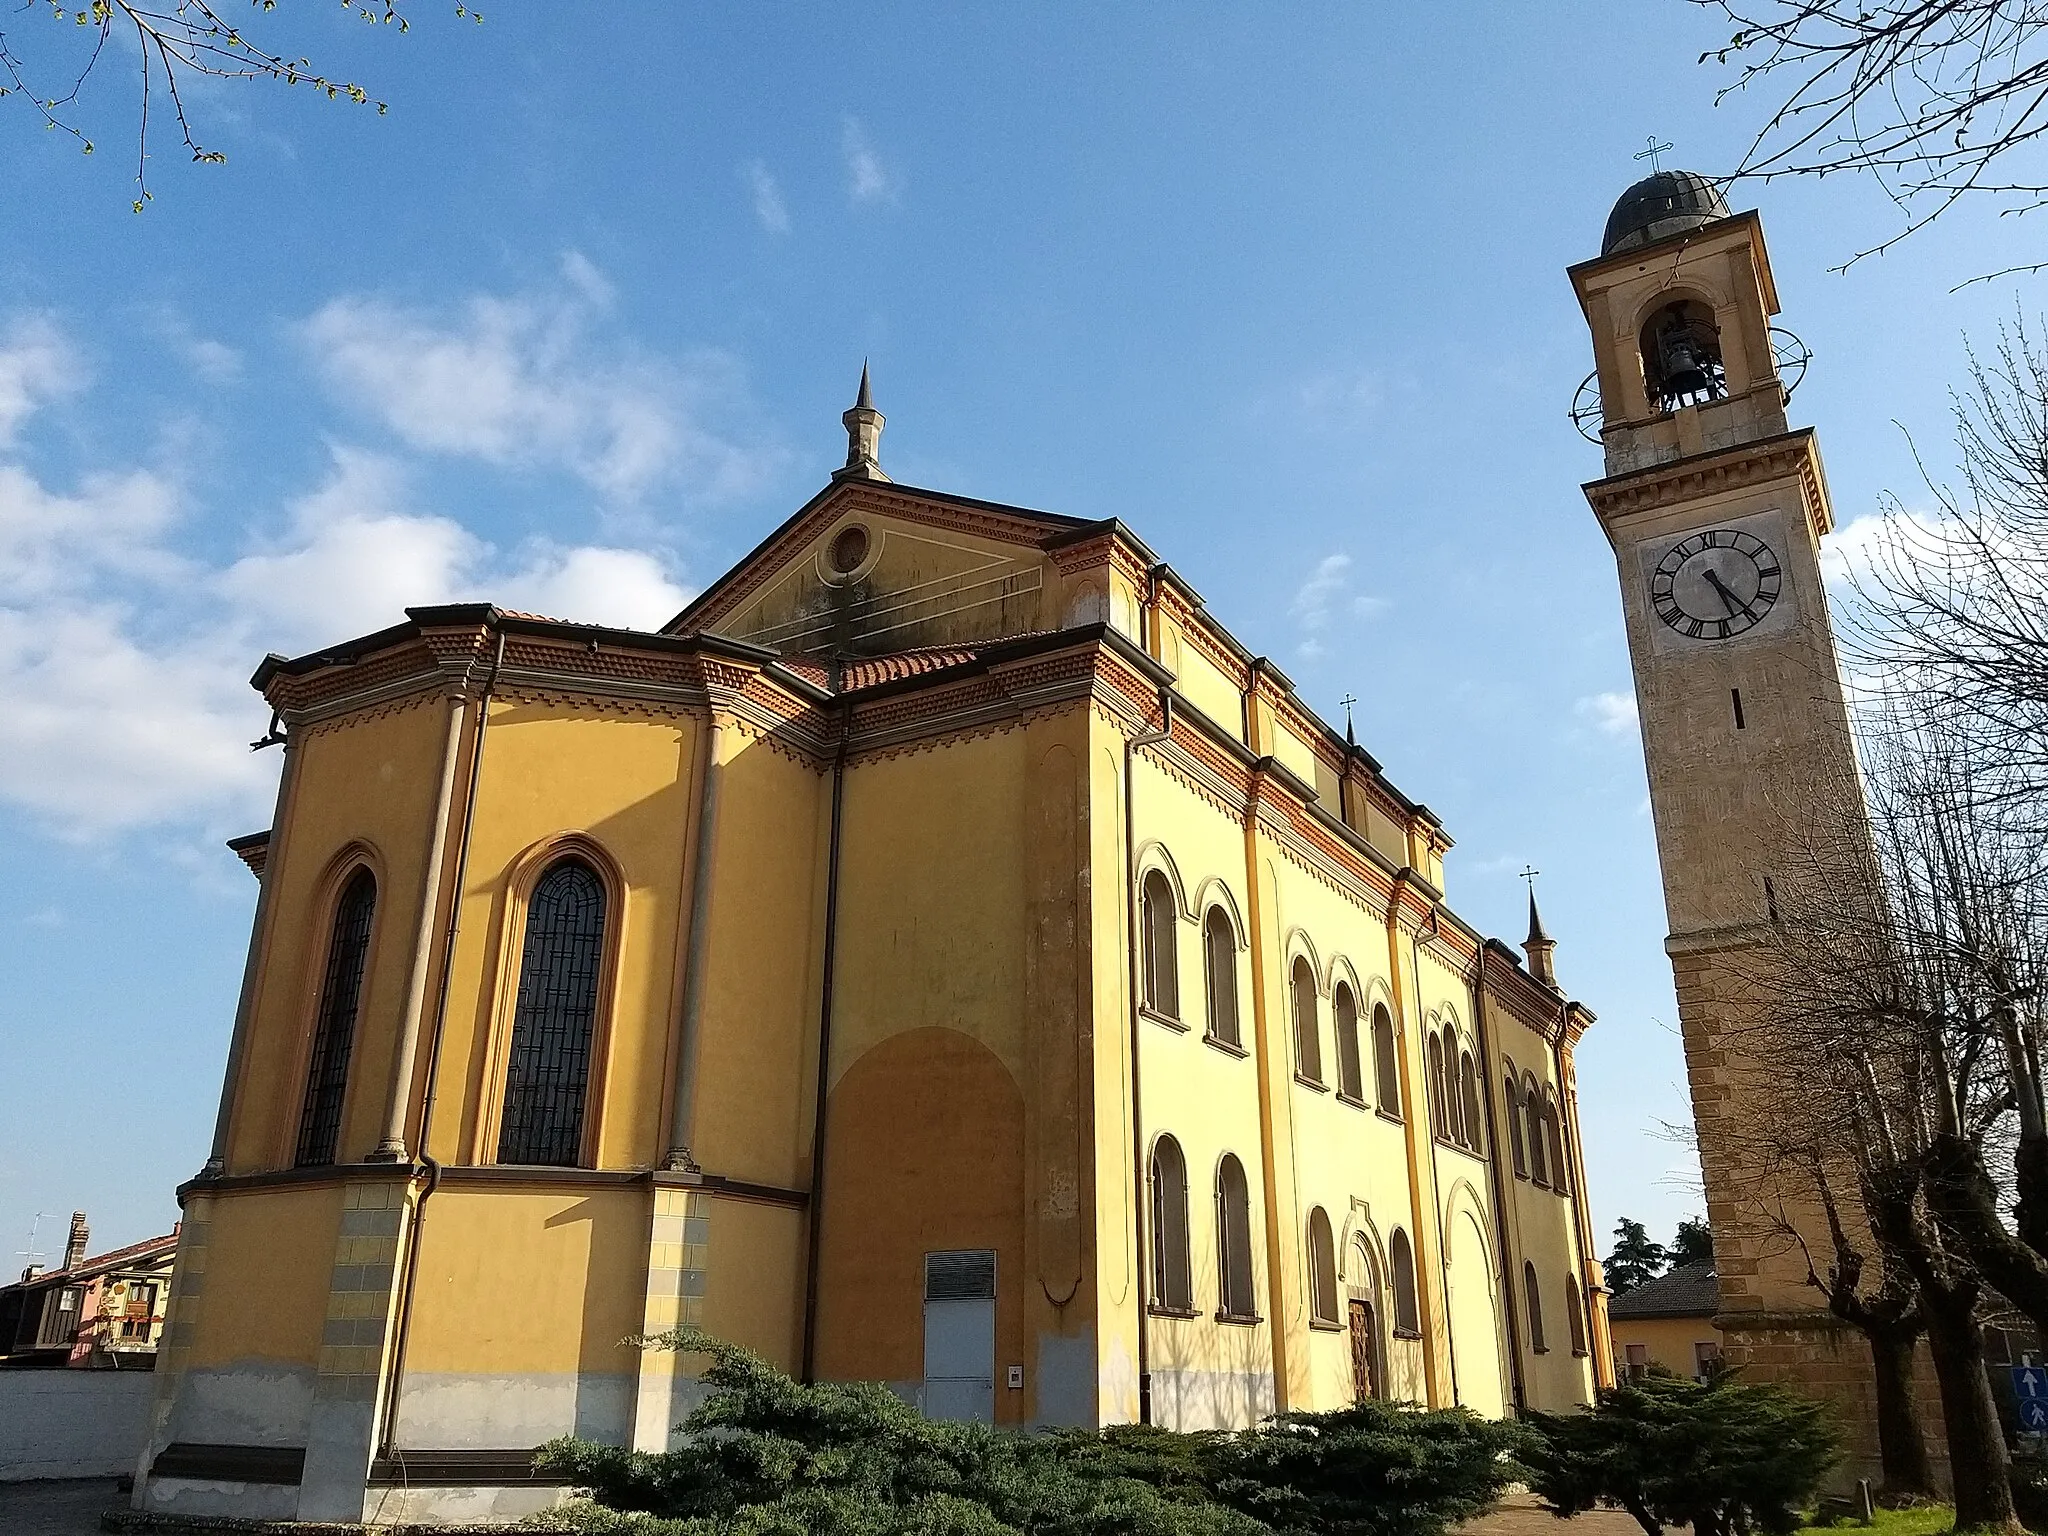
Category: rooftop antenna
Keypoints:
(1653, 152)
(32, 1253)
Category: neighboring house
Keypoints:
(102, 1313)
(1668, 1321)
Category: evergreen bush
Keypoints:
(766, 1456)
(1723, 1456)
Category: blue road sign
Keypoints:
(2029, 1382)
(2034, 1414)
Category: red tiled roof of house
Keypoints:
(85, 1269)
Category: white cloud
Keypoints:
(1323, 601)
(1338, 400)
(582, 274)
(124, 660)
(1612, 714)
(36, 364)
(1854, 551)
(518, 383)
(769, 207)
(868, 180)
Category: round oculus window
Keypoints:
(849, 549)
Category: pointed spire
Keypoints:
(1539, 946)
(863, 435)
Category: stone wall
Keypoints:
(72, 1423)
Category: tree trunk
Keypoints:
(2030, 1182)
(1965, 1202)
(1901, 1447)
(1977, 1459)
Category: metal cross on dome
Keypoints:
(1653, 152)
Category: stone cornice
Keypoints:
(1790, 456)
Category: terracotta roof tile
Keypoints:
(1691, 1290)
(148, 1248)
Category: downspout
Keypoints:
(813, 1238)
(245, 1004)
(1436, 1199)
(1500, 1196)
(403, 1329)
(1417, 1109)
(1599, 1343)
(398, 1099)
(1139, 1182)
(683, 1112)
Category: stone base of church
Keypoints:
(424, 1491)
(1817, 1354)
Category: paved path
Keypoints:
(1523, 1514)
(70, 1508)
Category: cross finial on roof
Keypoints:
(1652, 153)
(1529, 873)
(1350, 737)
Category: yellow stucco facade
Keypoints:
(853, 950)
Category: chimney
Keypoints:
(74, 1246)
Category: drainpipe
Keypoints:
(1417, 1108)
(1436, 1200)
(1500, 1198)
(683, 1112)
(1139, 1181)
(245, 1005)
(402, 1332)
(398, 1100)
(1598, 1341)
(814, 1236)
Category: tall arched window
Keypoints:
(1438, 1122)
(1350, 1073)
(1322, 1269)
(1401, 1276)
(1511, 1095)
(1162, 962)
(547, 1071)
(1468, 1103)
(1219, 963)
(1532, 1119)
(1234, 1240)
(334, 1028)
(1553, 1139)
(1386, 1066)
(1172, 1281)
(1308, 1044)
(1575, 1313)
(1535, 1300)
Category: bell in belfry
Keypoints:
(1683, 362)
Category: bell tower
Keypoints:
(1715, 508)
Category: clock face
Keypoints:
(1716, 584)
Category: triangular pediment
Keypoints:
(868, 567)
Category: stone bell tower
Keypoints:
(1715, 508)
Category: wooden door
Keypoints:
(1365, 1376)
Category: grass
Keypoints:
(1926, 1520)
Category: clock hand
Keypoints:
(1728, 597)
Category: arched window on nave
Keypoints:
(547, 1068)
(334, 1026)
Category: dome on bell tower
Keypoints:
(1661, 205)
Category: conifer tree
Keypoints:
(1635, 1259)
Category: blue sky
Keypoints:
(571, 327)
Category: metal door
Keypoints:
(960, 1336)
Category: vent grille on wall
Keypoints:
(969, 1275)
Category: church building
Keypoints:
(942, 955)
